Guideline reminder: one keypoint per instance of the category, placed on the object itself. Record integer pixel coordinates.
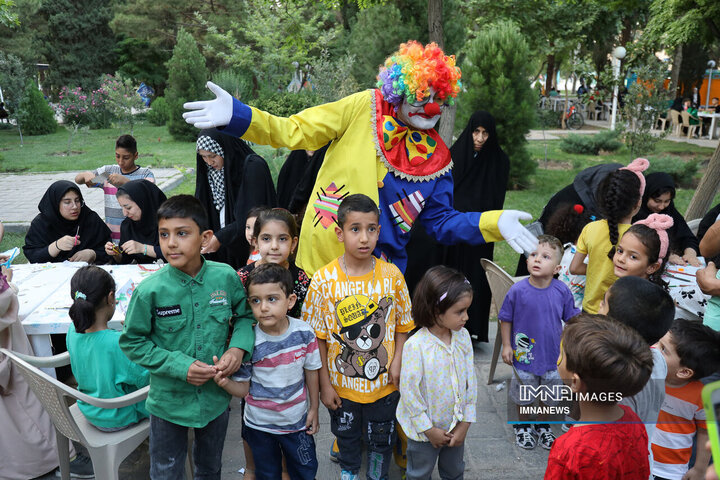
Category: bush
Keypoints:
(284, 103)
(80, 108)
(35, 115)
(548, 118)
(237, 85)
(589, 144)
(159, 112)
(187, 75)
(122, 98)
(495, 73)
(683, 172)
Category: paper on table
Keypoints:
(123, 295)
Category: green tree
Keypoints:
(8, 16)
(495, 74)
(78, 45)
(187, 75)
(369, 48)
(13, 78)
(35, 115)
(122, 98)
(140, 61)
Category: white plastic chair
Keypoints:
(107, 449)
(500, 282)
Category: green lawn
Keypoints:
(556, 168)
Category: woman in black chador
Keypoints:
(231, 179)
(480, 173)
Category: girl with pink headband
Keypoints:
(619, 198)
(643, 249)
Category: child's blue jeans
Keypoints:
(298, 448)
(168, 449)
(373, 423)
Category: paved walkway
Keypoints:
(490, 451)
(22, 193)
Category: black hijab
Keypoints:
(480, 179)
(297, 178)
(248, 184)
(681, 237)
(148, 196)
(49, 226)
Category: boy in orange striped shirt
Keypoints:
(692, 351)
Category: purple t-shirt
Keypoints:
(536, 315)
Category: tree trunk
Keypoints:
(435, 22)
(707, 189)
(550, 80)
(435, 34)
(675, 73)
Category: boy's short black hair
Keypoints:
(642, 305)
(697, 345)
(271, 273)
(127, 142)
(184, 206)
(609, 357)
(356, 203)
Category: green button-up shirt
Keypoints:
(174, 319)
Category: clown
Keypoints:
(383, 145)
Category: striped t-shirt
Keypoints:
(682, 414)
(278, 401)
(113, 211)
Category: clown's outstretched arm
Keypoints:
(310, 129)
(449, 227)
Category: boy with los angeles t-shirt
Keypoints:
(360, 309)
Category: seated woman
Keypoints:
(66, 228)
(139, 240)
(658, 198)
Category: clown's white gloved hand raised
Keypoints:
(514, 233)
(210, 113)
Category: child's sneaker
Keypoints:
(334, 452)
(566, 427)
(346, 475)
(545, 435)
(524, 437)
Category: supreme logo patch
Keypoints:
(168, 311)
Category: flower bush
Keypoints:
(78, 107)
(122, 98)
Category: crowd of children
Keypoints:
(384, 366)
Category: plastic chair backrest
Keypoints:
(685, 118)
(675, 117)
(52, 394)
(499, 280)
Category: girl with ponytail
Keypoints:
(618, 198)
(99, 366)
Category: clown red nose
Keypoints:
(432, 109)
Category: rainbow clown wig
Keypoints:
(413, 69)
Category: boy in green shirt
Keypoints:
(177, 327)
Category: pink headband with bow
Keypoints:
(638, 166)
(660, 223)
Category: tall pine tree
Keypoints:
(78, 45)
(186, 82)
(495, 73)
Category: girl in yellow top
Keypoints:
(619, 198)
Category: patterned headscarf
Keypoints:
(216, 178)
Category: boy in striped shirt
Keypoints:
(280, 385)
(692, 351)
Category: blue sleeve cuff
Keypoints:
(240, 121)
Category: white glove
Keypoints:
(514, 233)
(210, 113)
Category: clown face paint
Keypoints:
(423, 114)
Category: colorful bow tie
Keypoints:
(419, 146)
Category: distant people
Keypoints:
(139, 239)
(231, 179)
(113, 176)
(3, 113)
(659, 198)
(715, 105)
(695, 98)
(693, 112)
(480, 176)
(582, 89)
(677, 104)
(66, 228)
